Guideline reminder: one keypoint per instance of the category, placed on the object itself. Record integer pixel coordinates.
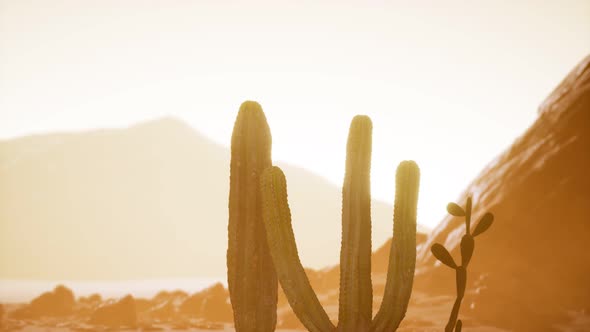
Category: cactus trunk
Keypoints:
(356, 293)
(252, 279)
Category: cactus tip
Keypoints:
(360, 124)
(250, 105)
(408, 166)
(251, 110)
(361, 118)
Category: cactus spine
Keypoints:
(355, 287)
(252, 279)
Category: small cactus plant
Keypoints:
(355, 310)
(252, 280)
(467, 247)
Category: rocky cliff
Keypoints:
(531, 270)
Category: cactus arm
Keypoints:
(283, 249)
(252, 281)
(356, 293)
(402, 256)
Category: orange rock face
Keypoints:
(531, 270)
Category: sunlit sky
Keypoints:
(449, 84)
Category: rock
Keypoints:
(530, 270)
(60, 302)
(164, 311)
(143, 305)
(163, 307)
(166, 296)
(211, 304)
(117, 314)
(92, 299)
(87, 305)
(192, 305)
(216, 306)
(1, 314)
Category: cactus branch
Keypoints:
(402, 256)
(356, 293)
(294, 281)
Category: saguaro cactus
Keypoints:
(467, 247)
(355, 257)
(252, 279)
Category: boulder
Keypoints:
(57, 303)
(91, 299)
(211, 304)
(143, 305)
(192, 305)
(116, 314)
(164, 311)
(216, 306)
(166, 296)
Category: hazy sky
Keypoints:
(449, 84)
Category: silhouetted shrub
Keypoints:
(467, 247)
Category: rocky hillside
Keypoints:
(531, 270)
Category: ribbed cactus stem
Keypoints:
(252, 279)
(402, 256)
(281, 241)
(356, 293)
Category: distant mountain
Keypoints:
(531, 270)
(145, 202)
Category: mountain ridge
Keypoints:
(133, 187)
